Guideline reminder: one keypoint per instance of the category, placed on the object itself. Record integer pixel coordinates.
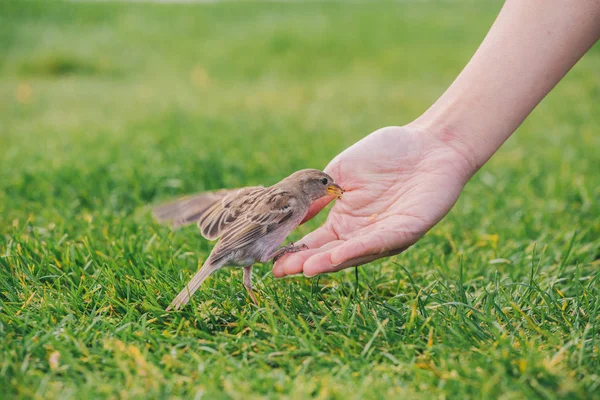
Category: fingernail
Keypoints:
(308, 275)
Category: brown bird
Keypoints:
(251, 223)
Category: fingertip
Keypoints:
(293, 264)
(337, 255)
(277, 270)
(288, 264)
(340, 254)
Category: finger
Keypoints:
(318, 237)
(316, 207)
(318, 263)
(291, 264)
(356, 251)
(313, 240)
(311, 269)
(375, 243)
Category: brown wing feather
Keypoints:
(225, 212)
(266, 216)
(189, 209)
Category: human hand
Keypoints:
(399, 182)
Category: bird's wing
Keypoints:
(270, 212)
(223, 213)
(189, 209)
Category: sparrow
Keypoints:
(250, 223)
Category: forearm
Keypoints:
(530, 47)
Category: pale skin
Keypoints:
(401, 181)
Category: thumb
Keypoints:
(316, 207)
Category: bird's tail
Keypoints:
(187, 210)
(184, 296)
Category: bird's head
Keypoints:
(316, 184)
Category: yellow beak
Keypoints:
(335, 190)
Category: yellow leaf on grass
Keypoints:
(53, 360)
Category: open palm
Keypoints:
(399, 183)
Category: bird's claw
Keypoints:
(290, 248)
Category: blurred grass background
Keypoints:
(109, 107)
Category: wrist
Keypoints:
(453, 139)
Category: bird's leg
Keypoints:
(248, 283)
(290, 248)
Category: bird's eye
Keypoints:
(324, 181)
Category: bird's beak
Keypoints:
(335, 190)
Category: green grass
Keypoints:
(108, 108)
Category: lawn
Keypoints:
(109, 108)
